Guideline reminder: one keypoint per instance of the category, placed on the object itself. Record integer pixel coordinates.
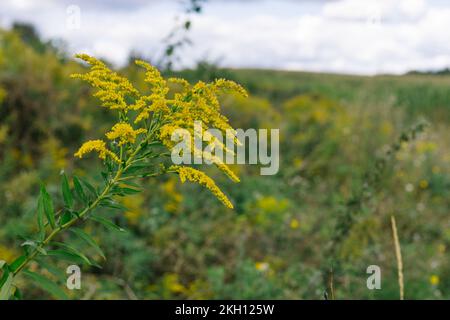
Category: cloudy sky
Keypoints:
(344, 36)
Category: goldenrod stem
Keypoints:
(85, 211)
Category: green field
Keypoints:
(325, 215)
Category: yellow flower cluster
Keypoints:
(193, 175)
(193, 103)
(162, 115)
(112, 88)
(156, 102)
(96, 145)
(124, 132)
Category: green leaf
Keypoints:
(5, 273)
(47, 285)
(108, 224)
(17, 263)
(17, 294)
(48, 206)
(57, 272)
(89, 186)
(2, 263)
(136, 168)
(6, 289)
(105, 176)
(112, 204)
(88, 239)
(79, 189)
(130, 191)
(67, 193)
(75, 252)
(65, 255)
(65, 217)
(40, 218)
(132, 184)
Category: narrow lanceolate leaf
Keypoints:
(65, 218)
(122, 191)
(75, 252)
(109, 203)
(17, 263)
(130, 191)
(17, 294)
(6, 288)
(48, 206)
(65, 256)
(67, 193)
(132, 184)
(46, 285)
(88, 239)
(89, 186)
(136, 168)
(4, 273)
(57, 272)
(79, 189)
(108, 224)
(40, 218)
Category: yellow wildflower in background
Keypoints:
(134, 211)
(434, 280)
(3, 133)
(2, 94)
(423, 184)
(174, 197)
(262, 266)
(124, 132)
(7, 254)
(294, 224)
(96, 145)
(171, 282)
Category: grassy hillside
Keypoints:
(349, 161)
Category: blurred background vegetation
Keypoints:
(181, 243)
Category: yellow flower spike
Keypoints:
(153, 77)
(96, 145)
(112, 88)
(159, 91)
(218, 163)
(185, 84)
(223, 84)
(124, 132)
(193, 175)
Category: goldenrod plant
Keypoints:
(134, 148)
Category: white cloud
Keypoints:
(351, 36)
